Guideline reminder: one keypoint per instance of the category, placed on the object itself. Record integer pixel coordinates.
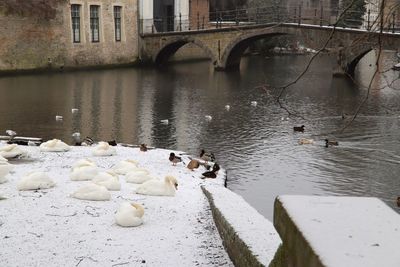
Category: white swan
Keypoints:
(125, 166)
(129, 215)
(12, 151)
(54, 145)
(5, 168)
(138, 177)
(35, 180)
(83, 162)
(109, 179)
(159, 188)
(92, 192)
(83, 173)
(104, 149)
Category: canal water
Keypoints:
(256, 144)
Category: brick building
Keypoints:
(58, 34)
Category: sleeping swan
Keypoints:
(83, 170)
(12, 151)
(54, 145)
(104, 149)
(156, 187)
(5, 168)
(125, 166)
(35, 180)
(129, 214)
(138, 177)
(109, 179)
(92, 192)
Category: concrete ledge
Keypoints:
(337, 231)
(248, 237)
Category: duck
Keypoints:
(93, 192)
(207, 156)
(143, 147)
(298, 128)
(104, 149)
(213, 173)
(156, 187)
(54, 145)
(331, 143)
(77, 138)
(254, 103)
(305, 141)
(193, 164)
(138, 177)
(12, 151)
(112, 143)
(174, 159)
(83, 173)
(109, 179)
(5, 169)
(125, 166)
(129, 214)
(35, 180)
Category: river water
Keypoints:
(256, 144)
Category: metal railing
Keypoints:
(368, 20)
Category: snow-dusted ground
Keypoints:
(253, 229)
(347, 231)
(49, 228)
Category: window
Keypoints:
(117, 22)
(94, 23)
(76, 23)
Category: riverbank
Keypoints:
(49, 228)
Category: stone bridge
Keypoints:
(225, 46)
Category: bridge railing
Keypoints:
(367, 19)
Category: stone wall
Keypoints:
(38, 35)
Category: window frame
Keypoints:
(76, 23)
(94, 16)
(117, 23)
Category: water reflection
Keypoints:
(255, 144)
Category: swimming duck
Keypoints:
(104, 149)
(213, 173)
(138, 177)
(129, 215)
(143, 147)
(305, 141)
(5, 169)
(93, 192)
(109, 179)
(12, 151)
(35, 180)
(156, 187)
(54, 145)
(298, 128)
(331, 143)
(125, 166)
(207, 156)
(174, 159)
(84, 172)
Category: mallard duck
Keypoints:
(207, 156)
(212, 173)
(193, 164)
(331, 143)
(174, 159)
(112, 143)
(143, 147)
(298, 128)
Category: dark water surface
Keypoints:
(255, 144)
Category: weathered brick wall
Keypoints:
(37, 34)
(199, 13)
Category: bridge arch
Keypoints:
(233, 53)
(349, 58)
(169, 48)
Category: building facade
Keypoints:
(59, 34)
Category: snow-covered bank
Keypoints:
(49, 228)
(250, 239)
(338, 231)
